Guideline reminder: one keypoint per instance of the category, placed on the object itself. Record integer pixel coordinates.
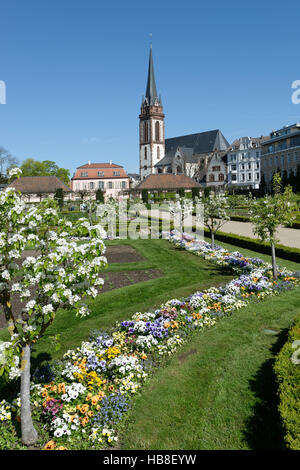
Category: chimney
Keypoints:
(110, 162)
(89, 162)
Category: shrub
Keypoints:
(287, 371)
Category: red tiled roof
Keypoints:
(100, 165)
(92, 172)
(167, 181)
(39, 184)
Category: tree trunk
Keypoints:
(212, 240)
(275, 275)
(29, 434)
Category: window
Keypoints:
(110, 185)
(242, 177)
(216, 168)
(91, 185)
(233, 167)
(157, 131)
(84, 174)
(100, 173)
(145, 153)
(221, 177)
(116, 173)
(249, 176)
(158, 152)
(101, 184)
(257, 165)
(123, 184)
(211, 178)
(257, 176)
(145, 131)
(233, 177)
(242, 166)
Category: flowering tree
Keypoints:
(269, 212)
(64, 271)
(215, 214)
(181, 209)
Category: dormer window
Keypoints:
(84, 174)
(116, 173)
(100, 173)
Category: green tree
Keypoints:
(269, 212)
(145, 196)
(31, 167)
(215, 213)
(195, 192)
(99, 195)
(59, 197)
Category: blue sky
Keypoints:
(75, 72)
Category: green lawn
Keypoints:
(183, 274)
(218, 392)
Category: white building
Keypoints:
(110, 178)
(244, 163)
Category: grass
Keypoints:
(183, 274)
(218, 392)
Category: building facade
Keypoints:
(188, 154)
(112, 179)
(281, 153)
(152, 127)
(192, 155)
(244, 162)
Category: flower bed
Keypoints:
(84, 399)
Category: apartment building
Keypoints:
(244, 162)
(281, 153)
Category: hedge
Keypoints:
(288, 380)
(282, 251)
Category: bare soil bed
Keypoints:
(112, 280)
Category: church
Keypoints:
(201, 156)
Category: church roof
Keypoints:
(202, 142)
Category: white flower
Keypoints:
(30, 305)
(14, 172)
(5, 275)
(47, 309)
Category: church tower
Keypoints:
(152, 127)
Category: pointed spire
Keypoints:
(151, 93)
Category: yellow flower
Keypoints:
(50, 445)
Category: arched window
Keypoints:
(145, 131)
(145, 153)
(158, 152)
(157, 131)
(221, 177)
(211, 178)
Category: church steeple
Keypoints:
(152, 128)
(151, 92)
